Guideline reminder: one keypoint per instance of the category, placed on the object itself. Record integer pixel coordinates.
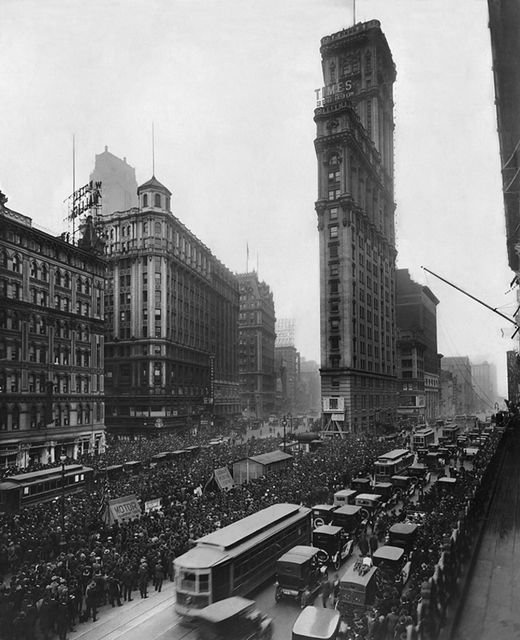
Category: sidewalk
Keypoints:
(115, 622)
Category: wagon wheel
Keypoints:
(414, 480)
(319, 522)
(336, 561)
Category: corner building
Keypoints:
(51, 344)
(355, 208)
(172, 316)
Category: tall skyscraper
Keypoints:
(460, 368)
(484, 380)
(256, 346)
(119, 190)
(355, 207)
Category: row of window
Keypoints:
(41, 271)
(13, 418)
(38, 383)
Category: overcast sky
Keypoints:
(230, 86)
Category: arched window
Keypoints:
(87, 414)
(58, 278)
(17, 263)
(79, 284)
(158, 229)
(66, 415)
(66, 280)
(57, 415)
(145, 200)
(157, 200)
(34, 269)
(45, 273)
(79, 413)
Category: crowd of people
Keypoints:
(53, 579)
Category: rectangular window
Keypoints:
(334, 213)
(333, 231)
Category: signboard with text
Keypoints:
(122, 510)
(152, 505)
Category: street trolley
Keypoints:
(238, 558)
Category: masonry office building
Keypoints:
(355, 209)
(172, 322)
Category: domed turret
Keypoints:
(154, 195)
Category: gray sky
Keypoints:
(230, 86)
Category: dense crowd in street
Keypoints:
(55, 579)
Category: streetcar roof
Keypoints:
(224, 609)
(317, 622)
(271, 456)
(345, 492)
(200, 558)
(47, 473)
(393, 455)
(239, 532)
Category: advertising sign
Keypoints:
(223, 478)
(122, 509)
(333, 404)
(152, 505)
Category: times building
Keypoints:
(355, 208)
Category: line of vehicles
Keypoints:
(299, 545)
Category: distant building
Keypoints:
(513, 377)
(119, 186)
(285, 330)
(484, 379)
(308, 394)
(448, 384)
(355, 209)
(418, 360)
(51, 344)
(460, 368)
(172, 322)
(256, 347)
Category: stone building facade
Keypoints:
(256, 347)
(51, 344)
(172, 322)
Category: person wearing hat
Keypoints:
(143, 580)
(91, 600)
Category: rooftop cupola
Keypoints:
(154, 195)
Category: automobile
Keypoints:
(404, 535)
(322, 514)
(420, 471)
(421, 454)
(385, 489)
(470, 452)
(360, 484)
(446, 484)
(297, 571)
(433, 461)
(344, 496)
(234, 617)
(403, 482)
(334, 543)
(318, 623)
(357, 589)
(393, 563)
(349, 518)
(369, 503)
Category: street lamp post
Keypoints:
(63, 458)
(284, 425)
